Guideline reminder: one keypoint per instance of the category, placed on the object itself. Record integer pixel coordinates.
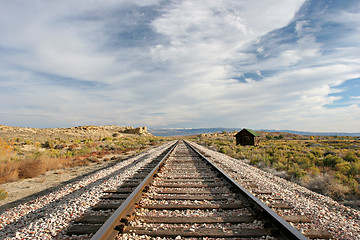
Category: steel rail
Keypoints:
(285, 228)
(111, 228)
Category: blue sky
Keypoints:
(266, 64)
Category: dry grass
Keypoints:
(17, 161)
(30, 153)
(31, 168)
(9, 171)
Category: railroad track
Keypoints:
(184, 195)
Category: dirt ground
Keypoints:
(26, 189)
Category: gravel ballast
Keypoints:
(341, 221)
(48, 216)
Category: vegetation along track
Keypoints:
(185, 195)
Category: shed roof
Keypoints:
(255, 134)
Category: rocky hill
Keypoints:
(89, 131)
(163, 132)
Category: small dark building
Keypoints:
(247, 137)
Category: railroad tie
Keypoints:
(317, 234)
(188, 197)
(186, 185)
(199, 220)
(190, 185)
(192, 206)
(191, 232)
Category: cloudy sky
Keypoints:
(265, 64)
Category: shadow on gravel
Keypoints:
(53, 207)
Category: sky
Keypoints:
(265, 64)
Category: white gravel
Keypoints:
(341, 221)
(171, 166)
(47, 217)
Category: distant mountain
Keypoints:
(167, 132)
(315, 133)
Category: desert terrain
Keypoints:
(35, 161)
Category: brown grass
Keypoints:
(29, 168)
(18, 163)
(9, 171)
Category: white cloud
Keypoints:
(184, 75)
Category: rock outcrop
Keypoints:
(89, 131)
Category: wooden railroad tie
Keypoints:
(189, 197)
(191, 191)
(120, 190)
(201, 232)
(180, 220)
(83, 229)
(202, 180)
(188, 185)
(115, 196)
(192, 206)
(317, 234)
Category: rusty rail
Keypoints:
(118, 219)
(285, 228)
(122, 216)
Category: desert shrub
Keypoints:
(279, 166)
(343, 167)
(355, 168)
(304, 162)
(255, 159)
(81, 151)
(272, 160)
(88, 141)
(317, 152)
(351, 157)
(55, 163)
(271, 151)
(3, 194)
(49, 144)
(266, 159)
(32, 161)
(283, 147)
(108, 139)
(328, 185)
(6, 150)
(29, 168)
(35, 155)
(338, 191)
(331, 160)
(54, 153)
(8, 171)
(296, 172)
(319, 183)
(314, 170)
(224, 149)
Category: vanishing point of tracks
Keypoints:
(183, 195)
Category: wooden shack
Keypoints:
(247, 137)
